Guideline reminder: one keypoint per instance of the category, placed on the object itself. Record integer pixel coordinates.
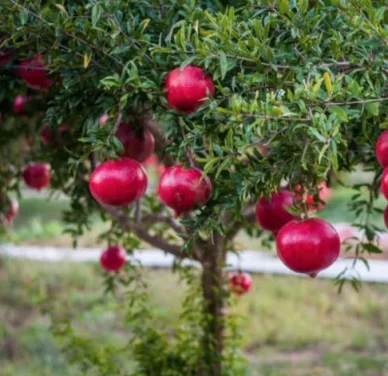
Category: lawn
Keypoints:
(293, 326)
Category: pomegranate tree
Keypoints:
(235, 100)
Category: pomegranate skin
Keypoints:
(384, 183)
(272, 215)
(19, 104)
(308, 246)
(382, 149)
(138, 147)
(33, 72)
(118, 182)
(37, 175)
(240, 283)
(113, 258)
(188, 88)
(183, 190)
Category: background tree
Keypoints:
(307, 78)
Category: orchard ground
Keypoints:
(293, 326)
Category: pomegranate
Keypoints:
(118, 182)
(103, 119)
(113, 258)
(187, 89)
(19, 104)
(34, 73)
(48, 136)
(136, 146)
(11, 211)
(324, 194)
(240, 283)
(308, 246)
(37, 175)
(384, 183)
(272, 214)
(382, 149)
(183, 189)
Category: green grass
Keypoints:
(293, 326)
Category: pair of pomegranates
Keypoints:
(305, 246)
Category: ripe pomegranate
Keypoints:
(19, 104)
(183, 190)
(384, 183)
(308, 246)
(34, 73)
(272, 214)
(37, 175)
(113, 258)
(187, 89)
(324, 194)
(382, 149)
(48, 136)
(11, 211)
(118, 182)
(136, 146)
(240, 283)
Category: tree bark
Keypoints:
(213, 294)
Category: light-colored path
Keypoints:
(250, 261)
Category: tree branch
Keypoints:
(159, 217)
(144, 235)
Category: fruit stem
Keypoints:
(313, 275)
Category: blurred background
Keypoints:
(292, 326)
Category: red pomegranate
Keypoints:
(48, 136)
(33, 72)
(183, 189)
(308, 246)
(113, 258)
(240, 283)
(272, 214)
(187, 89)
(37, 175)
(325, 194)
(103, 119)
(384, 183)
(136, 146)
(19, 104)
(382, 149)
(118, 182)
(11, 211)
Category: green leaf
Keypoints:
(339, 112)
(96, 14)
(372, 108)
(371, 248)
(284, 6)
(209, 165)
(223, 64)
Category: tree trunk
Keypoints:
(212, 285)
